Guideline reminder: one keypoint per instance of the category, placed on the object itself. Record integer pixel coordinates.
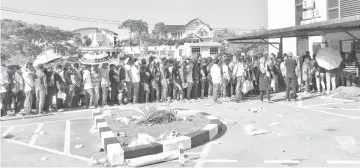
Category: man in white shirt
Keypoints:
(216, 77)
(128, 82)
(238, 74)
(135, 80)
(105, 82)
(27, 73)
(88, 87)
(226, 77)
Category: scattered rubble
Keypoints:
(142, 139)
(258, 132)
(44, 158)
(173, 135)
(274, 124)
(124, 120)
(79, 146)
(107, 113)
(121, 134)
(256, 110)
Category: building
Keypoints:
(102, 40)
(194, 29)
(302, 12)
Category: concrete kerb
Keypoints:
(117, 155)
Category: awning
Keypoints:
(313, 29)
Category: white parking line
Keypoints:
(49, 150)
(67, 137)
(204, 153)
(282, 161)
(331, 103)
(320, 111)
(36, 134)
(45, 122)
(333, 108)
(8, 131)
(343, 162)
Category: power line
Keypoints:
(86, 19)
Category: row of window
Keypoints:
(333, 7)
(197, 50)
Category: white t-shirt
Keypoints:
(28, 79)
(226, 72)
(238, 70)
(135, 74)
(215, 74)
(87, 80)
(127, 68)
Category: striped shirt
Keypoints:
(350, 67)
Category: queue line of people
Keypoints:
(69, 86)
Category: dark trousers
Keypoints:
(113, 93)
(291, 80)
(18, 100)
(5, 100)
(267, 94)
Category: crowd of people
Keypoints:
(132, 80)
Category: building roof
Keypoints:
(87, 28)
(179, 28)
(313, 29)
(174, 28)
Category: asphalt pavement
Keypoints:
(317, 131)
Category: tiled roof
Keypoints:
(174, 28)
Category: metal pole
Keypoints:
(281, 46)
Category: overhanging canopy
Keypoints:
(313, 29)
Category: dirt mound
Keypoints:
(346, 92)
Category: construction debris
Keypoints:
(44, 158)
(79, 146)
(274, 124)
(256, 110)
(123, 120)
(258, 132)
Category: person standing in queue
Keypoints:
(291, 77)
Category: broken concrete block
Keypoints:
(173, 144)
(115, 154)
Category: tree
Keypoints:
(86, 41)
(137, 28)
(29, 40)
(237, 49)
(160, 30)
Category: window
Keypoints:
(333, 9)
(214, 50)
(195, 50)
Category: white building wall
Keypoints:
(281, 13)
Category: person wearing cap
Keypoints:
(291, 78)
(40, 88)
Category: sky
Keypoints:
(232, 14)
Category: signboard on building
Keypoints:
(308, 4)
(309, 14)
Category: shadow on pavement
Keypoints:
(304, 98)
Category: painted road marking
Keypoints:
(282, 161)
(343, 162)
(221, 161)
(204, 153)
(8, 131)
(36, 134)
(50, 150)
(67, 137)
(348, 101)
(45, 122)
(320, 111)
(333, 108)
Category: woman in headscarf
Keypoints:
(264, 78)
